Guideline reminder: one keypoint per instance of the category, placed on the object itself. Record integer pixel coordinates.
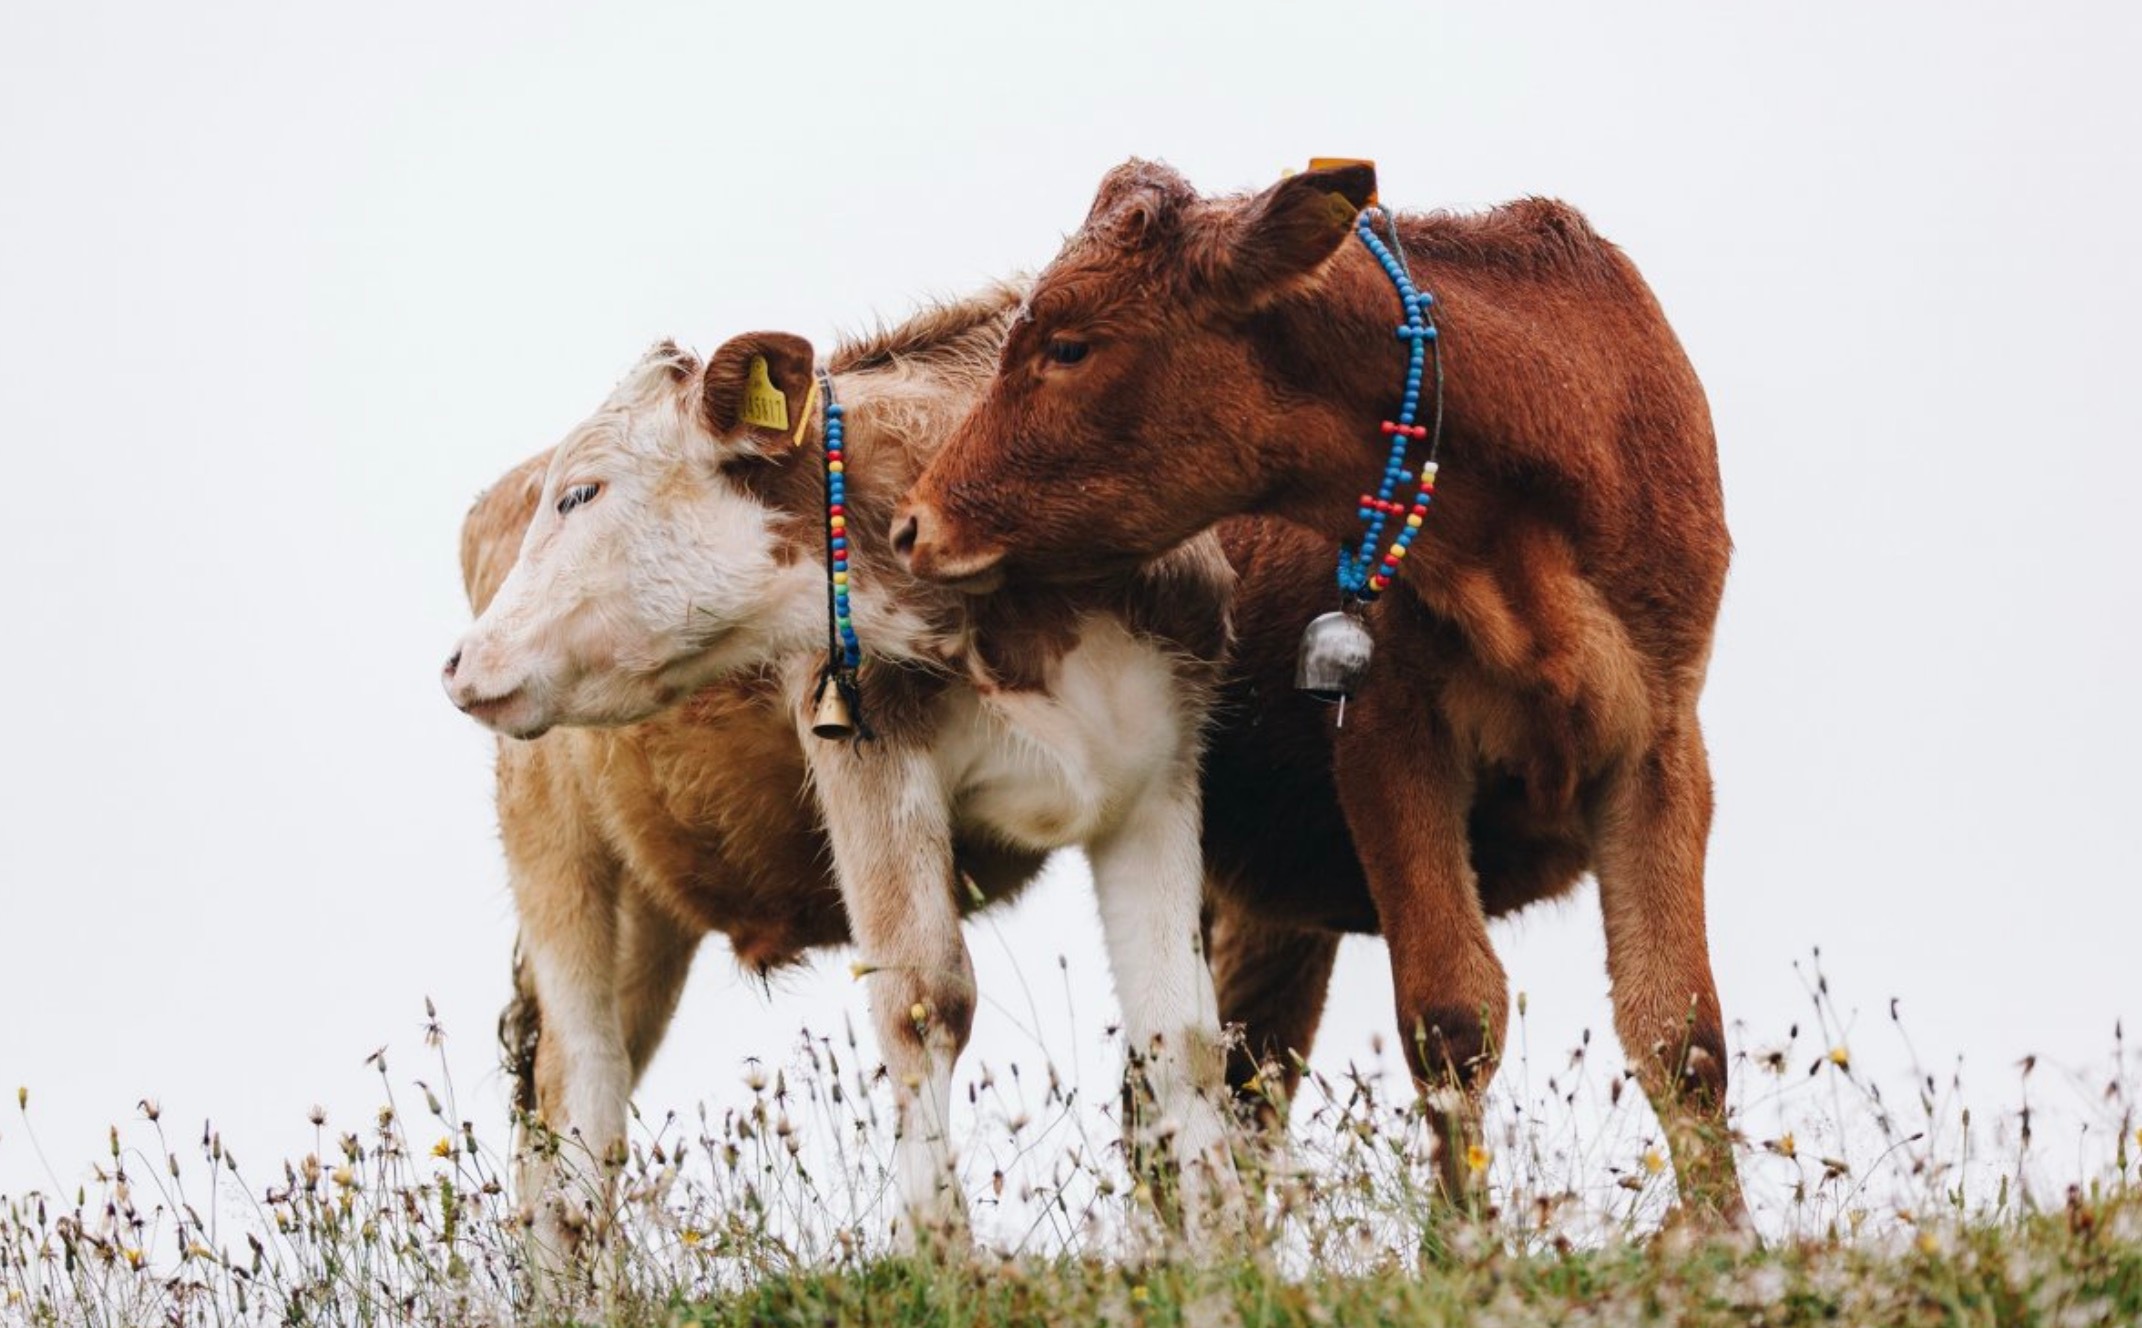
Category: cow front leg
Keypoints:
(887, 818)
(1653, 826)
(565, 1164)
(1406, 793)
(1148, 876)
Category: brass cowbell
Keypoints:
(830, 717)
(1334, 657)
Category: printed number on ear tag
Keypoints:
(764, 404)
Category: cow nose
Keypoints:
(907, 528)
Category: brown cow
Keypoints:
(1531, 711)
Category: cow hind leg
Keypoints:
(1654, 816)
(654, 958)
(1271, 980)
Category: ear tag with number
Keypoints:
(764, 404)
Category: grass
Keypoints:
(1881, 1200)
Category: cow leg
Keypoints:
(1271, 980)
(583, 1071)
(1148, 876)
(886, 816)
(1654, 821)
(654, 958)
(1406, 792)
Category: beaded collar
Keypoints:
(1359, 580)
(1336, 647)
(837, 703)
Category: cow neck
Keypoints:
(1336, 647)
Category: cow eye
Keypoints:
(576, 496)
(1065, 350)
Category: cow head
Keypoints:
(1137, 401)
(655, 563)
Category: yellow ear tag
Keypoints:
(764, 404)
(1333, 163)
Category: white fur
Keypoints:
(671, 578)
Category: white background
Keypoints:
(283, 287)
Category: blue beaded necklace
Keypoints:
(838, 701)
(1360, 579)
(1337, 646)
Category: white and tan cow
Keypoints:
(675, 546)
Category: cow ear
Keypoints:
(1287, 232)
(758, 389)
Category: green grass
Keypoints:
(1877, 1207)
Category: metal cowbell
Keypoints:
(830, 717)
(1334, 656)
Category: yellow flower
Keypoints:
(443, 1148)
(1653, 1163)
(133, 1257)
(1476, 1159)
(691, 1236)
(1788, 1146)
(1139, 1294)
(1840, 1058)
(344, 1177)
(1929, 1244)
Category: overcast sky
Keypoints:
(283, 287)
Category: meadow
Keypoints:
(1883, 1194)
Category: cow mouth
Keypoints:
(496, 713)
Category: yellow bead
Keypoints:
(840, 578)
(1398, 550)
(836, 466)
(1413, 523)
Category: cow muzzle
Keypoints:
(503, 706)
(919, 540)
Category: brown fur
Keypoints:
(1532, 708)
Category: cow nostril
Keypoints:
(453, 662)
(905, 534)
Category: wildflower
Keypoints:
(133, 1257)
(1929, 1244)
(1476, 1159)
(344, 1177)
(1139, 1294)
(1841, 1058)
(199, 1251)
(318, 1114)
(1653, 1163)
(1786, 1146)
(443, 1148)
(691, 1236)
(919, 1012)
